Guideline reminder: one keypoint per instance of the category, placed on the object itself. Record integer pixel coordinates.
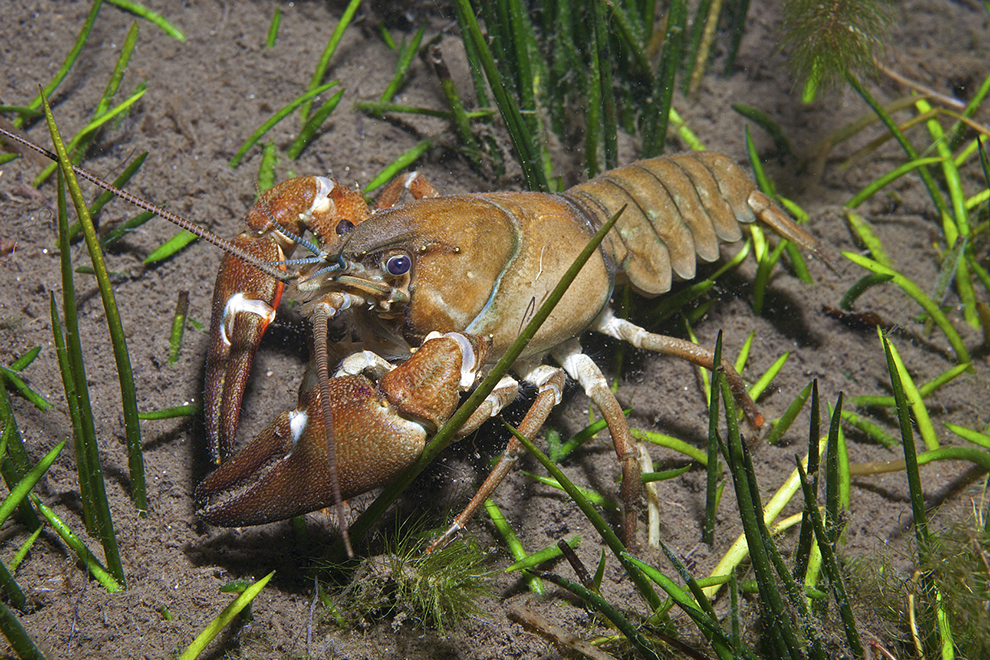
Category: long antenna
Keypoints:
(208, 236)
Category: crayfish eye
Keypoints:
(398, 264)
(344, 226)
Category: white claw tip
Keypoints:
(321, 200)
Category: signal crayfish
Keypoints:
(445, 284)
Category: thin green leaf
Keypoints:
(611, 613)
(152, 17)
(860, 287)
(402, 162)
(272, 36)
(70, 59)
(764, 121)
(21, 490)
(781, 426)
(912, 290)
(764, 381)
(170, 247)
(18, 637)
(188, 410)
(887, 179)
(514, 545)
(11, 377)
(406, 55)
(324, 63)
(309, 130)
(178, 327)
(276, 118)
(93, 565)
(104, 524)
(546, 554)
(595, 498)
(228, 614)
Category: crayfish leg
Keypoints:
(639, 337)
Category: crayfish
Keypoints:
(445, 285)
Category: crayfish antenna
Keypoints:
(321, 318)
(177, 220)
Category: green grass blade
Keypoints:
(19, 639)
(714, 468)
(594, 497)
(266, 169)
(910, 452)
(170, 247)
(546, 554)
(887, 179)
(909, 149)
(70, 59)
(764, 381)
(21, 490)
(684, 601)
(860, 287)
(806, 536)
(917, 403)
(515, 546)
(188, 410)
(98, 520)
(402, 162)
(781, 426)
(658, 117)
(309, 130)
(608, 611)
(123, 229)
(764, 121)
(460, 117)
(831, 567)
(977, 438)
(104, 198)
(91, 486)
(276, 118)
(875, 432)
(669, 442)
(912, 290)
(178, 326)
(609, 121)
(602, 527)
(88, 131)
(11, 590)
(406, 54)
(832, 525)
(23, 389)
(93, 566)
(132, 429)
(272, 35)
(523, 141)
(784, 637)
(152, 17)
(25, 548)
(228, 614)
(324, 63)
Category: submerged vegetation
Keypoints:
(584, 73)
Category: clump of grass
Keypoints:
(828, 41)
(958, 564)
(427, 590)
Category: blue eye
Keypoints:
(398, 264)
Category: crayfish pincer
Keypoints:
(473, 268)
